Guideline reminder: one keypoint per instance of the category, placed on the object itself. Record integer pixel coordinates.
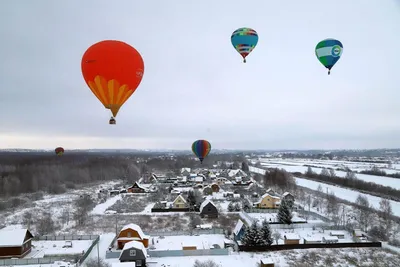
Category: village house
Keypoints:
(132, 232)
(238, 232)
(136, 188)
(268, 202)
(272, 192)
(134, 252)
(179, 203)
(291, 239)
(237, 173)
(208, 209)
(288, 196)
(185, 172)
(15, 243)
(357, 233)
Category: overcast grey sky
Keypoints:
(195, 84)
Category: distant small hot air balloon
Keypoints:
(113, 70)
(328, 52)
(244, 40)
(59, 151)
(201, 148)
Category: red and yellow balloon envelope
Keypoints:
(113, 70)
(201, 148)
(59, 151)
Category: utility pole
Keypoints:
(98, 253)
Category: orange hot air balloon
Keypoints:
(112, 70)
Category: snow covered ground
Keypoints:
(298, 166)
(101, 208)
(271, 217)
(55, 248)
(347, 194)
(176, 242)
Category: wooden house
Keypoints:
(267, 263)
(132, 232)
(288, 196)
(208, 209)
(312, 240)
(268, 201)
(179, 203)
(136, 188)
(134, 252)
(291, 239)
(15, 243)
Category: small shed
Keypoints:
(208, 209)
(238, 232)
(330, 239)
(267, 263)
(338, 234)
(312, 240)
(291, 239)
(188, 246)
(358, 233)
(134, 251)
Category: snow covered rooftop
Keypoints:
(136, 245)
(336, 233)
(330, 238)
(286, 194)
(12, 238)
(205, 202)
(292, 236)
(266, 195)
(264, 261)
(238, 226)
(136, 228)
(123, 264)
(181, 197)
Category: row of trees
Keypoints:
(256, 235)
(378, 172)
(351, 181)
(279, 180)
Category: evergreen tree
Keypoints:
(237, 207)
(265, 233)
(191, 198)
(245, 166)
(231, 207)
(284, 213)
(251, 236)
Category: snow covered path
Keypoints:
(101, 208)
(105, 240)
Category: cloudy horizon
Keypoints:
(195, 85)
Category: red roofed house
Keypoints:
(132, 232)
(15, 243)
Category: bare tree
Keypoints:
(332, 173)
(364, 214)
(45, 224)
(324, 172)
(206, 263)
(94, 262)
(386, 211)
(276, 235)
(350, 175)
(332, 205)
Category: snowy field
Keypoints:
(298, 166)
(347, 194)
(55, 248)
(176, 242)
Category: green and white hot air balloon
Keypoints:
(328, 52)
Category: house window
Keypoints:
(132, 253)
(129, 234)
